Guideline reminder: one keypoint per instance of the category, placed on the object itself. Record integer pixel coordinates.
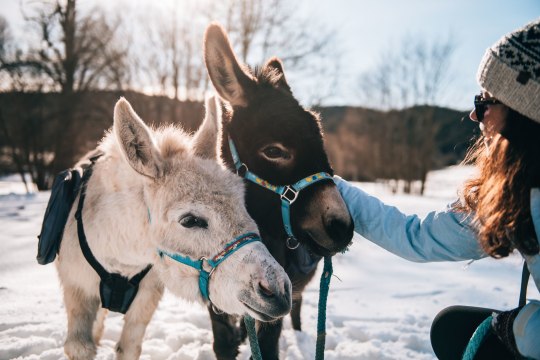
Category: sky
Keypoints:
(367, 28)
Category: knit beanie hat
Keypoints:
(510, 70)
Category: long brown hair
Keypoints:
(499, 196)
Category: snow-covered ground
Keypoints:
(379, 307)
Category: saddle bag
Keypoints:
(117, 293)
(63, 193)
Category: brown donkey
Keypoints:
(281, 142)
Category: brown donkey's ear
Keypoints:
(230, 80)
(279, 81)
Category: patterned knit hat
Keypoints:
(510, 70)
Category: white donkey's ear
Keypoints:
(230, 80)
(136, 141)
(205, 141)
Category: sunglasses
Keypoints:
(480, 106)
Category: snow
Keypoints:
(379, 307)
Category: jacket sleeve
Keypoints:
(527, 330)
(440, 236)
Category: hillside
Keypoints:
(363, 144)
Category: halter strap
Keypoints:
(207, 266)
(287, 193)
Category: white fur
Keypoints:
(146, 172)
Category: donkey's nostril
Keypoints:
(265, 290)
(340, 230)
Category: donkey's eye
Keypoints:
(190, 220)
(274, 152)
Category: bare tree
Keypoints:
(5, 37)
(411, 75)
(168, 53)
(14, 76)
(17, 71)
(78, 53)
(73, 53)
(414, 73)
(260, 29)
(169, 58)
(263, 28)
(12, 151)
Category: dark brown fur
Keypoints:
(263, 111)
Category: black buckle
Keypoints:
(289, 194)
(242, 170)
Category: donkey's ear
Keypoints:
(276, 66)
(136, 141)
(230, 80)
(205, 141)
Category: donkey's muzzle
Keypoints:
(279, 301)
(327, 227)
(340, 230)
(271, 300)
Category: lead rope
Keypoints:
(485, 326)
(252, 335)
(323, 296)
(321, 318)
(477, 338)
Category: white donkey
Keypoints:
(154, 197)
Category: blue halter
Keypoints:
(287, 193)
(207, 266)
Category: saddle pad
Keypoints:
(63, 194)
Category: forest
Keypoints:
(58, 85)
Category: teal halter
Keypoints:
(207, 266)
(287, 193)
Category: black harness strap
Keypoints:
(103, 274)
(524, 282)
(116, 291)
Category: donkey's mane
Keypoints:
(266, 76)
(172, 140)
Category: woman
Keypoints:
(498, 210)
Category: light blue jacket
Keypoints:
(440, 236)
